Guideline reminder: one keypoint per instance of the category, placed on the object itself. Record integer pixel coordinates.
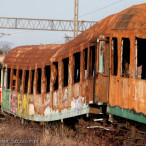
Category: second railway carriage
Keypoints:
(105, 65)
(33, 85)
(112, 63)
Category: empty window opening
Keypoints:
(141, 63)
(115, 56)
(48, 73)
(106, 56)
(126, 57)
(32, 80)
(92, 60)
(101, 57)
(65, 66)
(26, 81)
(77, 67)
(39, 80)
(20, 80)
(85, 62)
(56, 81)
(14, 79)
(8, 78)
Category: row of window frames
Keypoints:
(140, 52)
(48, 72)
(125, 58)
(77, 59)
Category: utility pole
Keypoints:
(76, 9)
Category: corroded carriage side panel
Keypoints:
(55, 99)
(76, 89)
(101, 86)
(23, 105)
(5, 100)
(13, 102)
(90, 90)
(19, 105)
(137, 95)
(113, 93)
(65, 98)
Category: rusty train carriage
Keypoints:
(127, 96)
(103, 65)
(41, 90)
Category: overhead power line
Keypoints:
(100, 9)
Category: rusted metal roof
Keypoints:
(130, 21)
(30, 56)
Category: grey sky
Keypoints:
(55, 9)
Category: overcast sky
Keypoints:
(55, 9)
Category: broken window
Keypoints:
(92, 60)
(76, 67)
(14, 79)
(85, 62)
(8, 78)
(114, 56)
(56, 81)
(26, 81)
(48, 73)
(126, 57)
(20, 80)
(32, 80)
(106, 56)
(141, 63)
(101, 57)
(65, 66)
(39, 80)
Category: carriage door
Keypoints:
(101, 83)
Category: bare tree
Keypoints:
(5, 46)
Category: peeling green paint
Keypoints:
(125, 113)
(23, 107)
(5, 100)
(100, 103)
(61, 115)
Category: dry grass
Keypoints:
(52, 134)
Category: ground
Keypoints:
(73, 132)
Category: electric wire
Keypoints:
(100, 9)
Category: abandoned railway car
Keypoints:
(102, 66)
